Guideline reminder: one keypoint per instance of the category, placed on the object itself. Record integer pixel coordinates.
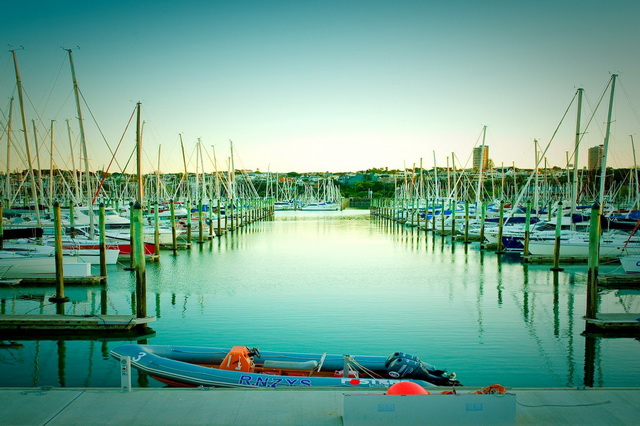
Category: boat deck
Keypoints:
(157, 406)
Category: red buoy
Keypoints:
(407, 388)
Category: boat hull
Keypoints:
(193, 366)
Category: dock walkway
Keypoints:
(158, 406)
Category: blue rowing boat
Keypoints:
(242, 367)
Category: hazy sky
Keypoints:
(322, 85)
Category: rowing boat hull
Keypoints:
(192, 366)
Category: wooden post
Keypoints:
(454, 206)
(72, 219)
(466, 222)
(141, 273)
(156, 229)
(226, 215)
(482, 218)
(592, 273)
(132, 242)
(232, 212)
(174, 242)
(210, 219)
(426, 216)
(527, 232)
(556, 247)
(433, 216)
(189, 222)
(200, 223)
(219, 219)
(59, 297)
(499, 248)
(1, 222)
(103, 245)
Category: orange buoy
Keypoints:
(407, 388)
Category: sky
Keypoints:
(319, 85)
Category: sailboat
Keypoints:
(611, 244)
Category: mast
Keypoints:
(198, 153)
(435, 176)
(574, 182)
(603, 170)
(185, 176)
(34, 191)
(140, 193)
(7, 183)
(635, 171)
(204, 194)
(536, 200)
(51, 166)
(35, 143)
(232, 173)
(454, 192)
(158, 178)
(479, 190)
(83, 142)
(215, 169)
(76, 187)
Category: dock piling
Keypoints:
(59, 298)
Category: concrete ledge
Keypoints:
(199, 406)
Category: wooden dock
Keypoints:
(619, 280)
(179, 246)
(566, 259)
(614, 322)
(17, 325)
(51, 281)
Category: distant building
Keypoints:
(595, 157)
(481, 157)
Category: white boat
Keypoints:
(92, 256)
(112, 219)
(611, 246)
(321, 206)
(18, 265)
(631, 264)
(284, 205)
(70, 248)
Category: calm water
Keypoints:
(339, 282)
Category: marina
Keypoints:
(342, 282)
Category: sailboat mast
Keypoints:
(215, 169)
(83, 142)
(185, 176)
(140, 192)
(454, 191)
(34, 192)
(7, 182)
(51, 166)
(603, 170)
(435, 176)
(73, 165)
(479, 190)
(158, 177)
(232, 175)
(536, 200)
(574, 182)
(198, 153)
(635, 171)
(37, 147)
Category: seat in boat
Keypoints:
(291, 365)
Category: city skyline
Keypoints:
(321, 86)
